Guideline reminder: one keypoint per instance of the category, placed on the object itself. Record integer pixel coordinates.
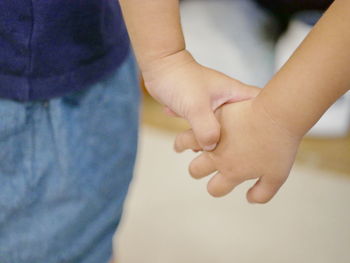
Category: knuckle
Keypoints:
(196, 108)
(276, 181)
(210, 137)
(231, 173)
(230, 178)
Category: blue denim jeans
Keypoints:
(65, 168)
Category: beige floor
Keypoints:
(169, 217)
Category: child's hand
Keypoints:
(252, 146)
(193, 92)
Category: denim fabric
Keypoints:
(65, 168)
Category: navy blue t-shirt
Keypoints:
(285, 9)
(51, 47)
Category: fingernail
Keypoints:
(210, 147)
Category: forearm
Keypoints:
(316, 75)
(154, 28)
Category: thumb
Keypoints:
(250, 91)
(206, 127)
(243, 92)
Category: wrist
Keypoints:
(164, 64)
(281, 118)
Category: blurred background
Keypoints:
(169, 217)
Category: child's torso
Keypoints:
(49, 38)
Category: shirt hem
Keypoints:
(16, 87)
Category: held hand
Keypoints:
(252, 146)
(194, 92)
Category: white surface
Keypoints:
(229, 36)
(170, 218)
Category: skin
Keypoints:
(171, 75)
(316, 75)
(252, 146)
(260, 137)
